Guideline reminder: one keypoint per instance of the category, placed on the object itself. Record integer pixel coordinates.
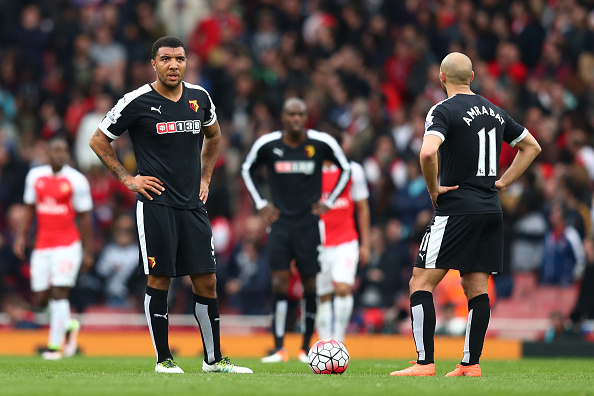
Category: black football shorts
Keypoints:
(467, 243)
(302, 243)
(174, 242)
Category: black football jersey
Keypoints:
(472, 130)
(295, 173)
(166, 137)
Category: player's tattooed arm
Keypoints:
(101, 145)
(208, 157)
(107, 156)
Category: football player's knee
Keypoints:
(465, 286)
(41, 299)
(342, 289)
(279, 284)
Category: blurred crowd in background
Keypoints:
(367, 69)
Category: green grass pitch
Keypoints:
(135, 376)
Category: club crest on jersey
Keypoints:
(310, 150)
(152, 262)
(193, 126)
(194, 105)
(64, 187)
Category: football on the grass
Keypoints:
(328, 357)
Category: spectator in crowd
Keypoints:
(248, 273)
(119, 261)
(564, 256)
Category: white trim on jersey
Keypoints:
(438, 134)
(108, 134)
(519, 138)
(435, 239)
(342, 159)
(213, 114)
(429, 118)
(249, 162)
(141, 234)
(116, 112)
(359, 189)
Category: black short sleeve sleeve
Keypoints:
(210, 116)
(118, 119)
(513, 132)
(437, 122)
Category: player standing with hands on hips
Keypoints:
(466, 233)
(166, 120)
(293, 158)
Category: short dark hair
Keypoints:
(167, 41)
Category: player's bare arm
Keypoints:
(208, 157)
(363, 221)
(20, 242)
(86, 236)
(429, 166)
(101, 145)
(528, 149)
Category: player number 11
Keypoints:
(482, 152)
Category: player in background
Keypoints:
(344, 247)
(293, 158)
(55, 194)
(166, 120)
(466, 232)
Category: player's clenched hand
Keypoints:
(440, 190)
(203, 191)
(363, 256)
(144, 185)
(318, 208)
(269, 214)
(87, 263)
(500, 186)
(19, 247)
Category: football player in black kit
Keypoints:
(293, 158)
(166, 120)
(466, 233)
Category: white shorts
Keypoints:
(338, 265)
(55, 266)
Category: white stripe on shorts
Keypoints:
(435, 239)
(141, 234)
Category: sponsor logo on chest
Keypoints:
(49, 206)
(193, 126)
(303, 167)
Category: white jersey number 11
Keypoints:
(482, 153)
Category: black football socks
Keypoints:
(423, 324)
(311, 306)
(155, 308)
(479, 313)
(206, 312)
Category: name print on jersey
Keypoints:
(475, 111)
(193, 126)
